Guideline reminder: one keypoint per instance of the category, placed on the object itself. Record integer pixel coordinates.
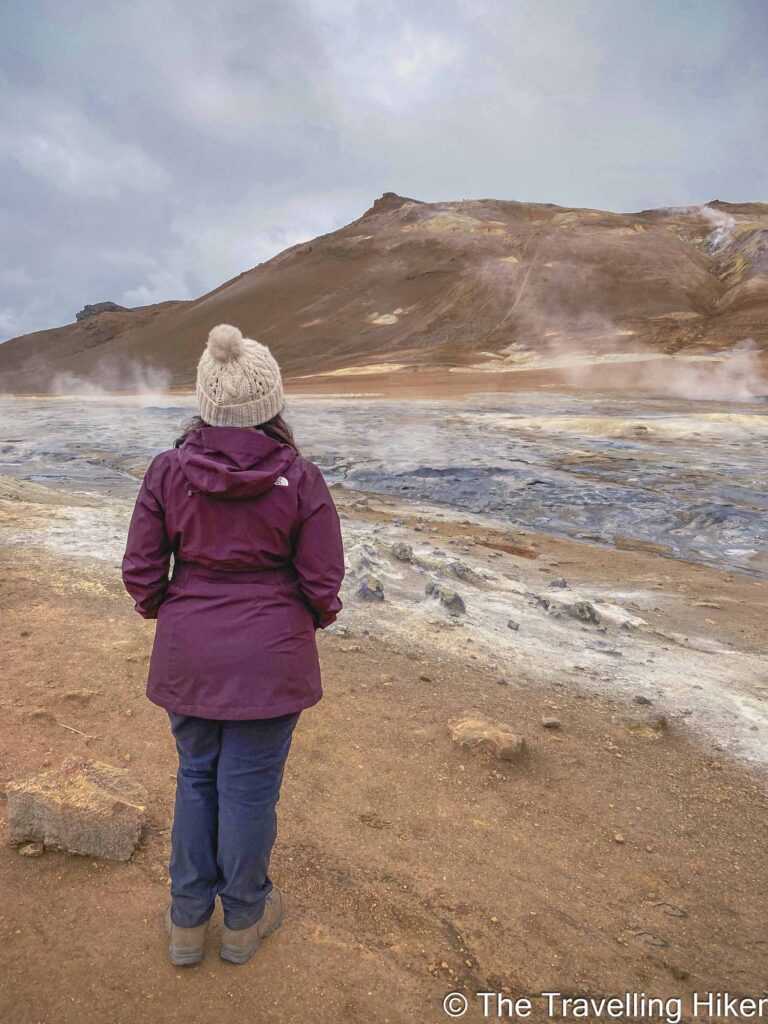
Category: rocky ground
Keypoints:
(620, 851)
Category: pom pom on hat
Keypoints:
(226, 342)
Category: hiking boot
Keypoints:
(186, 944)
(239, 945)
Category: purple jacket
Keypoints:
(258, 563)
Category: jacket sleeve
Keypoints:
(318, 551)
(148, 548)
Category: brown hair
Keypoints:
(276, 428)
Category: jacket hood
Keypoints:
(233, 462)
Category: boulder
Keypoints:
(402, 552)
(559, 583)
(478, 733)
(585, 611)
(576, 607)
(84, 807)
(370, 588)
(453, 602)
(463, 572)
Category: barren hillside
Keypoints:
(486, 285)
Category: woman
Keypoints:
(257, 567)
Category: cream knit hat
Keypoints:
(238, 380)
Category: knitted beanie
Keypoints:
(238, 380)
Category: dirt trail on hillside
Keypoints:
(605, 862)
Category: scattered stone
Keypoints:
(24, 632)
(577, 608)
(31, 849)
(559, 583)
(448, 597)
(81, 696)
(370, 588)
(84, 807)
(604, 648)
(671, 909)
(402, 552)
(425, 678)
(585, 611)
(502, 682)
(478, 733)
(619, 838)
(648, 723)
(463, 572)
(551, 723)
(511, 624)
(640, 699)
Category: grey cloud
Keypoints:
(152, 150)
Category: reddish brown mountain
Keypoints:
(482, 283)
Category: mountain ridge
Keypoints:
(486, 285)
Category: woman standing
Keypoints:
(257, 567)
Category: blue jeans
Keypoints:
(225, 824)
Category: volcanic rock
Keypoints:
(448, 597)
(370, 588)
(99, 307)
(559, 583)
(402, 552)
(481, 734)
(84, 807)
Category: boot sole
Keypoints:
(237, 955)
(186, 958)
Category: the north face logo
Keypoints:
(281, 482)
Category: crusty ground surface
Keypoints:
(410, 868)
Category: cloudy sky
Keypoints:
(150, 150)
